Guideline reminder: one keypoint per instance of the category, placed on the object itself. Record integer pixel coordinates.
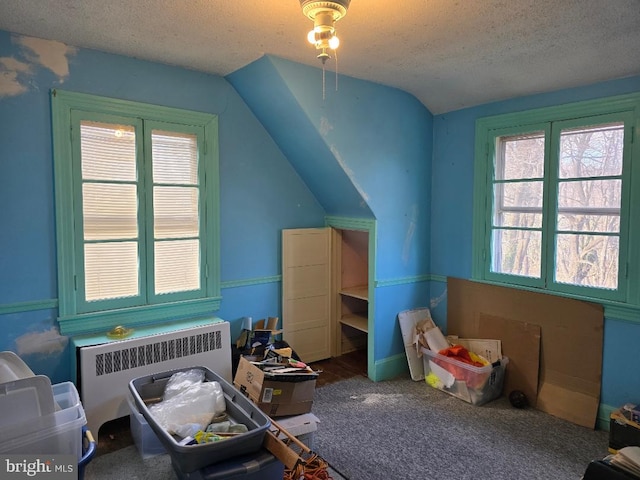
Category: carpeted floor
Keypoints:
(402, 429)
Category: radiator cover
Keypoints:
(105, 369)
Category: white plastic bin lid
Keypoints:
(25, 399)
(12, 367)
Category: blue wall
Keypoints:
(365, 152)
(452, 221)
(287, 158)
(260, 191)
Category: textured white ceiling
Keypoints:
(450, 54)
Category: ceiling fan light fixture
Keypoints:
(323, 36)
(324, 15)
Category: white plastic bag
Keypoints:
(196, 404)
(181, 381)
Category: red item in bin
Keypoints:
(458, 352)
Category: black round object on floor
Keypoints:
(518, 399)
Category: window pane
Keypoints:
(177, 266)
(516, 252)
(518, 204)
(590, 195)
(589, 223)
(591, 152)
(520, 156)
(111, 270)
(108, 151)
(515, 219)
(587, 260)
(110, 211)
(175, 157)
(175, 212)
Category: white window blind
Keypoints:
(176, 212)
(110, 210)
(111, 193)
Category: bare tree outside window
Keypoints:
(587, 205)
(517, 213)
(589, 200)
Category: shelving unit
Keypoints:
(361, 292)
(355, 321)
(352, 275)
(359, 298)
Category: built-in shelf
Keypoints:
(361, 292)
(359, 322)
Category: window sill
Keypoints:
(103, 321)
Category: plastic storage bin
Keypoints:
(189, 458)
(475, 385)
(144, 437)
(260, 465)
(56, 433)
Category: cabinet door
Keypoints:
(306, 292)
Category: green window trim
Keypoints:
(74, 317)
(624, 303)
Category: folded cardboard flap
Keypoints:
(489, 349)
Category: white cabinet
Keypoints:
(325, 291)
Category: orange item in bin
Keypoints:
(460, 353)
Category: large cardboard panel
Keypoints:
(521, 343)
(571, 341)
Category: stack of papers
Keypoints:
(627, 459)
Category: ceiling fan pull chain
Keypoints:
(323, 83)
(335, 53)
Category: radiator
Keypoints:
(105, 370)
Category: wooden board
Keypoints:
(571, 336)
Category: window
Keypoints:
(136, 212)
(553, 200)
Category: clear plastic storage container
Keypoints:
(56, 433)
(144, 437)
(475, 385)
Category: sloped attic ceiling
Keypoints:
(263, 88)
(363, 149)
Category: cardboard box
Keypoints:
(277, 395)
(623, 432)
